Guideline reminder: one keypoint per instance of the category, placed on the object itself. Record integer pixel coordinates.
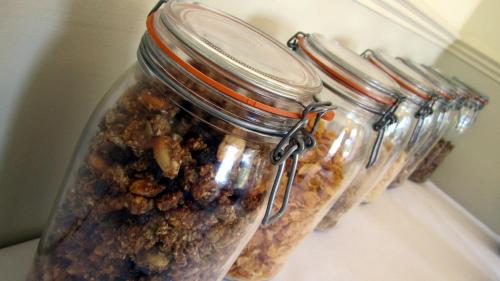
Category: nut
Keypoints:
(146, 188)
(97, 163)
(139, 205)
(164, 149)
(231, 146)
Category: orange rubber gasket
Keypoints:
(338, 76)
(400, 81)
(220, 87)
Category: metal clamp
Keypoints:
(293, 42)
(388, 118)
(422, 113)
(157, 6)
(293, 144)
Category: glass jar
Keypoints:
(447, 115)
(172, 174)
(478, 99)
(370, 90)
(417, 90)
(322, 175)
(468, 109)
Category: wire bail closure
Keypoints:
(293, 144)
(423, 112)
(388, 118)
(293, 42)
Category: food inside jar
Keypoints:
(160, 195)
(387, 179)
(432, 161)
(318, 182)
(353, 195)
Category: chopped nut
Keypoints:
(97, 163)
(166, 152)
(146, 188)
(230, 145)
(139, 205)
(153, 262)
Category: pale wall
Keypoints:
(471, 174)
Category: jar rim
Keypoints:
(230, 59)
(406, 77)
(380, 90)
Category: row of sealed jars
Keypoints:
(470, 104)
(221, 149)
(462, 112)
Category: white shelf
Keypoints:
(414, 232)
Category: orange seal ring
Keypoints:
(220, 87)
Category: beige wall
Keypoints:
(471, 174)
(481, 30)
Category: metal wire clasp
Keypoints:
(388, 118)
(293, 144)
(157, 6)
(293, 42)
(422, 113)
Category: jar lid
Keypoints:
(400, 72)
(441, 86)
(474, 94)
(244, 56)
(344, 65)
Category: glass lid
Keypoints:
(404, 75)
(350, 68)
(442, 87)
(240, 50)
(483, 99)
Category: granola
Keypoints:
(352, 196)
(317, 184)
(387, 179)
(151, 201)
(432, 161)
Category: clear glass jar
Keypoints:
(172, 174)
(467, 108)
(447, 116)
(417, 90)
(370, 90)
(323, 174)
